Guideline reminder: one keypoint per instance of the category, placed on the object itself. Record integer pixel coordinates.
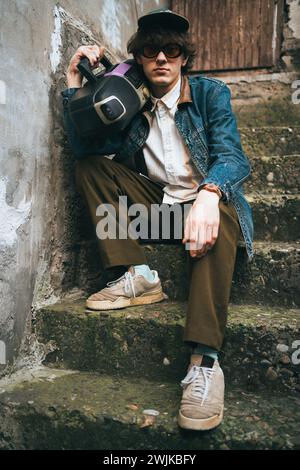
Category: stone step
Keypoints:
(272, 277)
(264, 107)
(63, 410)
(275, 174)
(149, 338)
(264, 141)
(276, 217)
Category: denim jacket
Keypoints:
(207, 124)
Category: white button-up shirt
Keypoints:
(166, 155)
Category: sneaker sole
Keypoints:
(200, 424)
(123, 302)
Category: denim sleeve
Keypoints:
(228, 165)
(84, 146)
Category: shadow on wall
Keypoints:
(75, 264)
(2, 353)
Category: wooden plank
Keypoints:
(206, 37)
(196, 27)
(250, 16)
(221, 38)
(212, 34)
(256, 35)
(279, 30)
(232, 33)
(266, 39)
(228, 26)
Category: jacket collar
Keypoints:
(185, 92)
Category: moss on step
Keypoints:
(266, 141)
(276, 217)
(128, 341)
(273, 277)
(275, 112)
(274, 175)
(88, 411)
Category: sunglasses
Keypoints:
(170, 50)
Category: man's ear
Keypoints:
(138, 59)
(184, 62)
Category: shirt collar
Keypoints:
(170, 98)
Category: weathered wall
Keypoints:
(36, 41)
(291, 35)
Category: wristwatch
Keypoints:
(213, 188)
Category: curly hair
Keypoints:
(160, 35)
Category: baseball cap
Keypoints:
(166, 18)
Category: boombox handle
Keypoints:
(84, 67)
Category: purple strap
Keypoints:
(119, 71)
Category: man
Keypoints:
(183, 147)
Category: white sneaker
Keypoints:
(127, 291)
(202, 403)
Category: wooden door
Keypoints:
(234, 34)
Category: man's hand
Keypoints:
(202, 224)
(93, 53)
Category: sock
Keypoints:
(144, 270)
(203, 350)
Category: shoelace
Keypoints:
(201, 379)
(128, 278)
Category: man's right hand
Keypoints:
(93, 53)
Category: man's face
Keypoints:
(162, 71)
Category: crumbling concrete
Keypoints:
(37, 203)
(291, 34)
(59, 410)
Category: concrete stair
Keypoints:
(272, 277)
(271, 140)
(276, 216)
(56, 409)
(276, 174)
(128, 340)
(101, 370)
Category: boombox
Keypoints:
(109, 100)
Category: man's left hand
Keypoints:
(202, 224)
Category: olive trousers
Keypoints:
(101, 180)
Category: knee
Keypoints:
(82, 171)
(87, 168)
(90, 164)
(229, 221)
(228, 210)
